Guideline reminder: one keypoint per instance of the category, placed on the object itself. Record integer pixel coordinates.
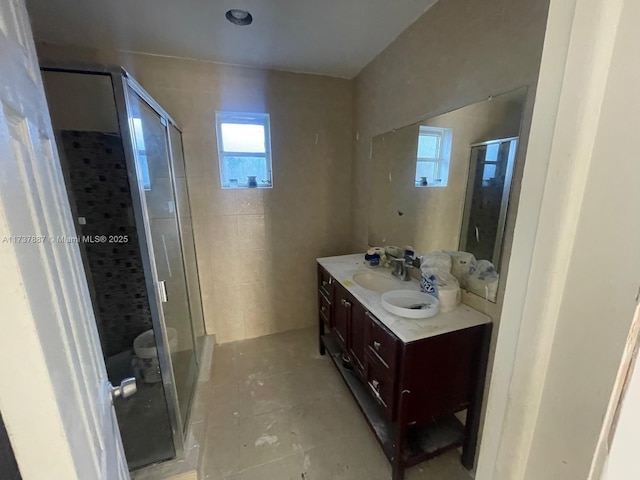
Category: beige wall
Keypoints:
(256, 248)
(457, 53)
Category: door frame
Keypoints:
(576, 60)
(55, 398)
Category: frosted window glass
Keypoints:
(489, 172)
(428, 170)
(142, 153)
(239, 137)
(428, 146)
(492, 152)
(240, 168)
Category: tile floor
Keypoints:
(273, 408)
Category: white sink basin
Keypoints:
(410, 303)
(375, 282)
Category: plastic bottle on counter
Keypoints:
(372, 258)
(409, 254)
(429, 281)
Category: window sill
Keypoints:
(245, 187)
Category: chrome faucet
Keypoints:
(401, 268)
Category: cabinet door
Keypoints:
(357, 337)
(341, 314)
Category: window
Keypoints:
(434, 152)
(142, 153)
(244, 150)
(491, 165)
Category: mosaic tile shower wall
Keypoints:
(99, 191)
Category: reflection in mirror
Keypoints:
(443, 184)
(434, 155)
(485, 212)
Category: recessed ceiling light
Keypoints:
(239, 17)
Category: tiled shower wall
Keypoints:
(96, 176)
(256, 248)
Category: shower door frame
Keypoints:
(121, 81)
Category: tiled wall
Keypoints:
(475, 49)
(256, 248)
(97, 178)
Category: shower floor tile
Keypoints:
(144, 426)
(274, 409)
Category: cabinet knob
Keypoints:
(376, 345)
(324, 283)
(345, 303)
(375, 384)
(323, 308)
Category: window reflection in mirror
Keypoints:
(145, 177)
(434, 154)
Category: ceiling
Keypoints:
(330, 37)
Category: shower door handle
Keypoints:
(127, 388)
(162, 288)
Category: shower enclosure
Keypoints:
(123, 164)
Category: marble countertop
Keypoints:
(344, 267)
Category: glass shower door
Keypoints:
(156, 181)
(84, 112)
(188, 241)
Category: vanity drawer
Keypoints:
(381, 343)
(325, 308)
(380, 383)
(325, 284)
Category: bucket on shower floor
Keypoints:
(145, 361)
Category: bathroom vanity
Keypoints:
(409, 377)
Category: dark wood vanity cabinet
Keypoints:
(408, 392)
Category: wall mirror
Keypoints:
(444, 183)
